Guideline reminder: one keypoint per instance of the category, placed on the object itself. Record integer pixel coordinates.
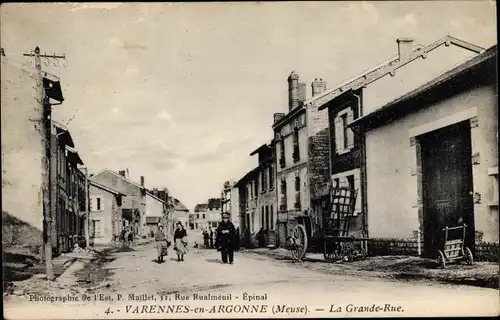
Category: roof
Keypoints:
(105, 188)
(200, 207)
(387, 67)
(63, 134)
(248, 176)
(388, 111)
(178, 206)
(122, 177)
(281, 122)
(75, 155)
(261, 148)
(214, 203)
(154, 197)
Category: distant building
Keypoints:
(257, 193)
(106, 221)
(208, 215)
(141, 209)
(230, 202)
(178, 212)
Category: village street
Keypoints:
(285, 282)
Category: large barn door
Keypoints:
(447, 183)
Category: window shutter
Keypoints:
(102, 204)
(350, 134)
(339, 134)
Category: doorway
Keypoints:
(447, 184)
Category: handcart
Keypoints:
(454, 249)
(333, 238)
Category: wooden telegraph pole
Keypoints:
(46, 166)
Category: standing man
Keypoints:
(211, 238)
(225, 239)
(205, 238)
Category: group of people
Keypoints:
(226, 240)
(127, 236)
(180, 242)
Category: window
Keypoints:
(272, 217)
(197, 216)
(262, 218)
(271, 177)
(344, 137)
(256, 187)
(296, 151)
(297, 192)
(263, 185)
(98, 204)
(282, 153)
(336, 182)
(283, 195)
(350, 181)
(267, 219)
(203, 216)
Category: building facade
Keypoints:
(208, 215)
(67, 191)
(301, 147)
(351, 99)
(445, 134)
(106, 222)
(141, 209)
(24, 152)
(230, 202)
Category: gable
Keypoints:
(413, 75)
(115, 182)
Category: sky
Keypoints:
(182, 93)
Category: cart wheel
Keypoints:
(441, 259)
(299, 242)
(328, 252)
(469, 258)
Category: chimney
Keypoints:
(155, 192)
(293, 91)
(142, 181)
(165, 194)
(405, 48)
(278, 116)
(122, 173)
(302, 92)
(318, 86)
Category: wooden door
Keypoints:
(447, 184)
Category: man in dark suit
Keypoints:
(226, 239)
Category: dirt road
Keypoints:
(282, 288)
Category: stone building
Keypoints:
(445, 136)
(230, 202)
(141, 209)
(410, 68)
(301, 149)
(68, 191)
(208, 215)
(25, 150)
(106, 221)
(258, 204)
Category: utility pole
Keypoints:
(46, 166)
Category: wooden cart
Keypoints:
(334, 236)
(454, 249)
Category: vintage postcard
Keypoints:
(249, 160)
